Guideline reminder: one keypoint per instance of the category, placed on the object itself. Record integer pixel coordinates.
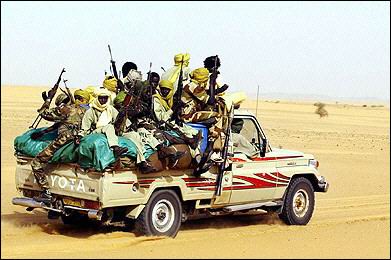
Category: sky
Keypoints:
(334, 49)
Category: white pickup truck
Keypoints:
(278, 180)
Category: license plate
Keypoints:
(72, 202)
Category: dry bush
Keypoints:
(321, 111)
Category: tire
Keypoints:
(299, 202)
(161, 215)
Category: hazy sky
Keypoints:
(339, 49)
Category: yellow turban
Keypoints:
(84, 94)
(167, 101)
(91, 90)
(110, 83)
(166, 84)
(200, 75)
(178, 59)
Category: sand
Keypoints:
(351, 220)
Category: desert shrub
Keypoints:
(321, 111)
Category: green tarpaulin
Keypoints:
(93, 151)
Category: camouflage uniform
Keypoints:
(69, 117)
(197, 110)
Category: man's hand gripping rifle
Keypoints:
(48, 97)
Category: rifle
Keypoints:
(48, 99)
(178, 95)
(212, 84)
(120, 85)
(221, 167)
(131, 101)
(69, 92)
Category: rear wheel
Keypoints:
(161, 215)
(299, 202)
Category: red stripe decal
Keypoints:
(123, 182)
(200, 184)
(237, 160)
(145, 181)
(196, 179)
(280, 175)
(256, 183)
(276, 158)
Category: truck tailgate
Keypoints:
(64, 179)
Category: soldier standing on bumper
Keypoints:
(68, 117)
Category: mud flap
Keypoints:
(135, 212)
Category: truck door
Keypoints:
(252, 178)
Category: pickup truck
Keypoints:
(278, 180)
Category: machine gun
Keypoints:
(120, 85)
(178, 95)
(221, 165)
(48, 97)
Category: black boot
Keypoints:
(146, 167)
(45, 197)
(118, 151)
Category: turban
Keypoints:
(91, 91)
(200, 75)
(110, 83)
(168, 100)
(178, 59)
(84, 94)
(132, 76)
(99, 93)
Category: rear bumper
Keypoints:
(323, 185)
(31, 204)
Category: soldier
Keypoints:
(162, 105)
(110, 83)
(198, 108)
(100, 118)
(82, 98)
(209, 63)
(68, 118)
(172, 74)
(127, 67)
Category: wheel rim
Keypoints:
(163, 215)
(300, 203)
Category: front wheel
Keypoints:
(161, 215)
(299, 202)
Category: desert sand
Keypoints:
(351, 220)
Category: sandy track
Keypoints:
(352, 220)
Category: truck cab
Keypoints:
(270, 179)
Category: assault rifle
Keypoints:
(48, 97)
(69, 94)
(178, 95)
(221, 165)
(120, 85)
(131, 107)
(212, 84)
